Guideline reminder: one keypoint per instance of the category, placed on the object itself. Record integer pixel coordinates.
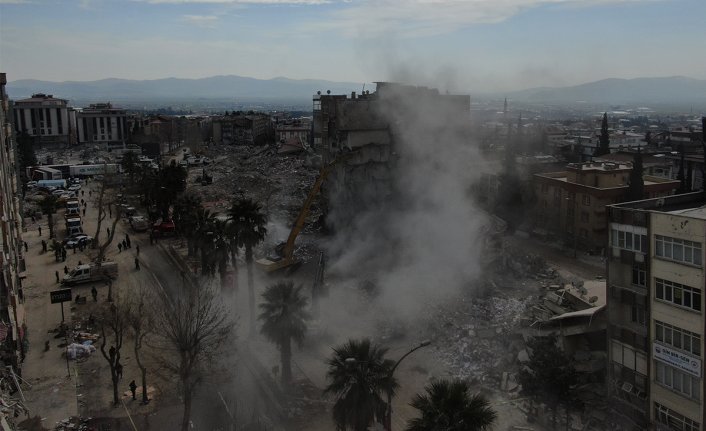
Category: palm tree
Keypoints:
(359, 376)
(448, 406)
(186, 209)
(284, 319)
(205, 220)
(250, 225)
(48, 207)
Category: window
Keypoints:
(317, 105)
(678, 381)
(674, 420)
(639, 277)
(586, 199)
(628, 238)
(637, 315)
(678, 250)
(678, 338)
(678, 294)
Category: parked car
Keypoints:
(75, 187)
(31, 184)
(76, 240)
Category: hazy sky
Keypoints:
(466, 44)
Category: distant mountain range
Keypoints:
(676, 90)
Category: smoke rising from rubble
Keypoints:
(423, 242)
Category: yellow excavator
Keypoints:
(287, 251)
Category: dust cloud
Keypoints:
(414, 237)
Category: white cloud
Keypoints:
(371, 18)
(208, 21)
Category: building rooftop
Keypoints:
(41, 97)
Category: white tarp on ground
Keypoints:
(76, 350)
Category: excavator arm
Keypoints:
(288, 258)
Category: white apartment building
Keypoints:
(101, 123)
(49, 120)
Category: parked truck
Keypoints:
(72, 207)
(59, 184)
(91, 170)
(73, 225)
(89, 272)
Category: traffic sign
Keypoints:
(62, 295)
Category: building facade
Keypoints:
(12, 265)
(571, 204)
(241, 129)
(48, 120)
(102, 124)
(656, 332)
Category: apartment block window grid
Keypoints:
(678, 294)
(678, 250)
(628, 240)
(674, 420)
(678, 381)
(678, 338)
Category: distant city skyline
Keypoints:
(457, 45)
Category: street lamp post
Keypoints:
(388, 416)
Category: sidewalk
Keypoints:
(53, 394)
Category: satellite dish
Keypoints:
(319, 93)
(328, 91)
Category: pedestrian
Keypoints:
(57, 276)
(33, 219)
(127, 240)
(110, 212)
(82, 202)
(124, 245)
(83, 193)
(66, 269)
(80, 263)
(137, 249)
(39, 228)
(44, 246)
(63, 255)
(137, 264)
(84, 211)
(75, 249)
(108, 230)
(120, 247)
(89, 192)
(133, 389)
(119, 370)
(26, 248)
(94, 293)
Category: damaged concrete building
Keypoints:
(656, 312)
(373, 126)
(571, 204)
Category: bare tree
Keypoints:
(105, 200)
(141, 323)
(112, 321)
(190, 327)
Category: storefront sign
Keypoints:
(63, 295)
(678, 359)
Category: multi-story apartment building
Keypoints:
(48, 120)
(300, 130)
(374, 126)
(240, 129)
(656, 312)
(571, 204)
(102, 124)
(12, 317)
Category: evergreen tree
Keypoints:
(636, 184)
(25, 151)
(604, 138)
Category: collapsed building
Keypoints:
(372, 125)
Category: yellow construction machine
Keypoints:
(287, 250)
